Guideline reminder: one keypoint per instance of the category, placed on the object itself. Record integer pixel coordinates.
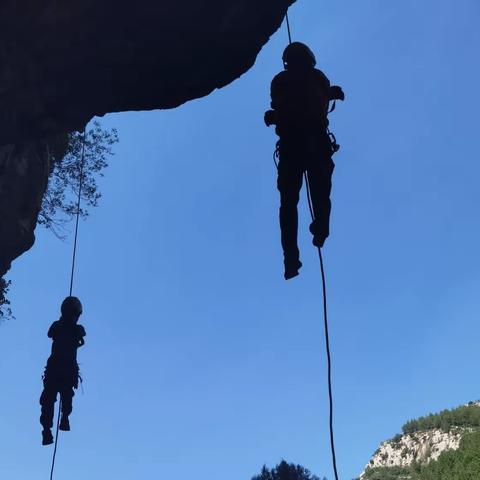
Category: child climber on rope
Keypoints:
(300, 100)
(62, 373)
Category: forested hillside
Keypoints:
(441, 446)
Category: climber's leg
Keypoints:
(66, 395)
(319, 173)
(47, 402)
(289, 183)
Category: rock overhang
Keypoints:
(65, 61)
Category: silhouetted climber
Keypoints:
(62, 372)
(300, 101)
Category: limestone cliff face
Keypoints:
(64, 61)
(421, 447)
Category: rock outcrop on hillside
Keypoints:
(65, 61)
(420, 447)
(427, 444)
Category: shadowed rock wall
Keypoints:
(64, 61)
(24, 170)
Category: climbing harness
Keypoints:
(276, 154)
(72, 275)
(334, 148)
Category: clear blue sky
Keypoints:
(201, 361)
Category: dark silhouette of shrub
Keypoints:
(286, 471)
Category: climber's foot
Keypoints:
(47, 437)
(292, 268)
(64, 424)
(318, 241)
(318, 238)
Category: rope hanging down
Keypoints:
(72, 275)
(325, 309)
(288, 28)
(327, 340)
(79, 199)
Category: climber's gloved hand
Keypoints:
(336, 93)
(270, 118)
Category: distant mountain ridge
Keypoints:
(425, 444)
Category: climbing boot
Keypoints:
(64, 424)
(318, 238)
(292, 268)
(47, 437)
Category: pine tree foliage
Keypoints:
(461, 464)
(464, 416)
(59, 204)
(60, 200)
(5, 310)
(286, 471)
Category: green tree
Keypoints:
(285, 471)
(386, 473)
(5, 311)
(464, 416)
(60, 200)
(59, 203)
(461, 464)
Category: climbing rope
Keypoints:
(327, 338)
(56, 440)
(276, 156)
(72, 276)
(288, 28)
(324, 291)
(79, 199)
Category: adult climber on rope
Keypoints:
(300, 103)
(62, 372)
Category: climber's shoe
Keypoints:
(318, 241)
(64, 424)
(292, 268)
(318, 238)
(47, 437)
